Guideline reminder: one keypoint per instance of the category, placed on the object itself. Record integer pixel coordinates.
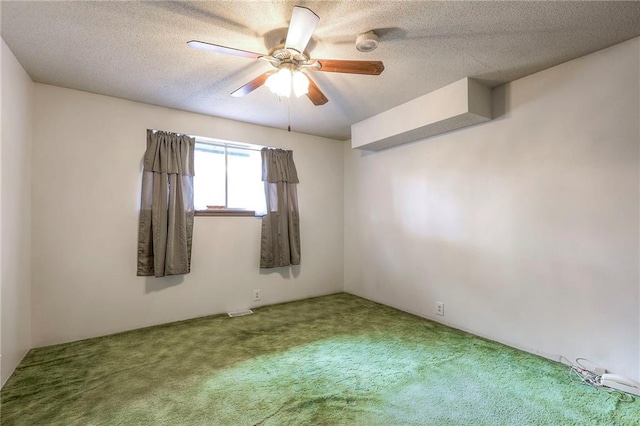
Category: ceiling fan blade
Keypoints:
(350, 67)
(315, 95)
(222, 49)
(303, 23)
(252, 85)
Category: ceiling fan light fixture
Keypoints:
(280, 82)
(300, 84)
(286, 80)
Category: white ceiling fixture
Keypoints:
(367, 42)
(287, 80)
(291, 59)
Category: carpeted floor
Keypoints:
(334, 360)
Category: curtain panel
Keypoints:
(280, 241)
(166, 211)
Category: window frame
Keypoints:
(226, 211)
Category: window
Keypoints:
(228, 178)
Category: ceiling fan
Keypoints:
(290, 60)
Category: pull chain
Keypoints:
(288, 110)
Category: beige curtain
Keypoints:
(166, 210)
(280, 243)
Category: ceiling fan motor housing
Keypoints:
(284, 54)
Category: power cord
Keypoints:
(591, 378)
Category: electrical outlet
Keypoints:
(439, 308)
(256, 295)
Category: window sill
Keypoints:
(225, 212)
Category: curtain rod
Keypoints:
(229, 144)
(221, 142)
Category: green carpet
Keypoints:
(334, 360)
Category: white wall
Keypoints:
(15, 212)
(86, 195)
(526, 227)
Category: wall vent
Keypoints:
(240, 313)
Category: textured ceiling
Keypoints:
(137, 50)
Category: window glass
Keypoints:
(245, 188)
(209, 180)
(228, 177)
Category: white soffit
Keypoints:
(460, 104)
